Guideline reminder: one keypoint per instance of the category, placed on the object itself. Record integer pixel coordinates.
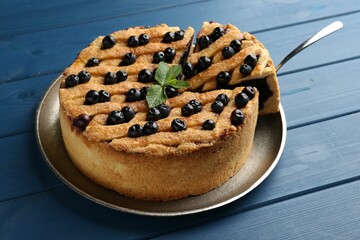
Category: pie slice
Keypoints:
(224, 57)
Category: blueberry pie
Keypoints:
(193, 142)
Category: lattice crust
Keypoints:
(165, 140)
(264, 69)
(112, 57)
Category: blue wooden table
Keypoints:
(313, 193)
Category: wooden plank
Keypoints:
(315, 157)
(39, 15)
(330, 214)
(55, 49)
(23, 169)
(305, 96)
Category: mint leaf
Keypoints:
(161, 72)
(155, 96)
(173, 72)
(177, 83)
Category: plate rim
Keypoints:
(142, 212)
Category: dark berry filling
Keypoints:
(115, 117)
(178, 125)
(237, 117)
(208, 125)
(110, 78)
(108, 42)
(145, 76)
(135, 131)
(92, 62)
(92, 97)
(81, 121)
(222, 98)
(150, 128)
(133, 41)
(104, 96)
(84, 76)
(217, 106)
(121, 76)
(187, 110)
(228, 52)
(133, 95)
(196, 105)
(128, 59)
(71, 81)
(153, 114)
(144, 39)
(129, 113)
(241, 99)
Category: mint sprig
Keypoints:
(166, 77)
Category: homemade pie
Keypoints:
(193, 142)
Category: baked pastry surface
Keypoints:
(180, 154)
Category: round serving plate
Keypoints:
(268, 146)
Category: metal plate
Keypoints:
(268, 146)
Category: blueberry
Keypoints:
(104, 96)
(71, 81)
(203, 42)
(150, 128)
(135, 131)
(170, 54)
(178, 125)
(236, 45)
(145, 76)
(196, 105)
(204, 63)
(144, 39)
(217, 33)
(188, 70)
(222, 98)
(81, 121)
(179, 35)
(223, 78)
(128, 112)
(237, 117)
(110, 78)
(115, 117)
(92, 62)
(208, 125)
(227, 52)
(217, 106)
(241, 99)
(187, 110)
(153, 114)
(128, 59)
(164, 110)
(133, 95)
(84, 76)
(171, 92)
(249, 91)
(159, 57)
(121, 76)
(251, 60)
(245, 69)
(133, 41)
(168, 37)
(92, 97)
(143, 91)
(108, 42)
